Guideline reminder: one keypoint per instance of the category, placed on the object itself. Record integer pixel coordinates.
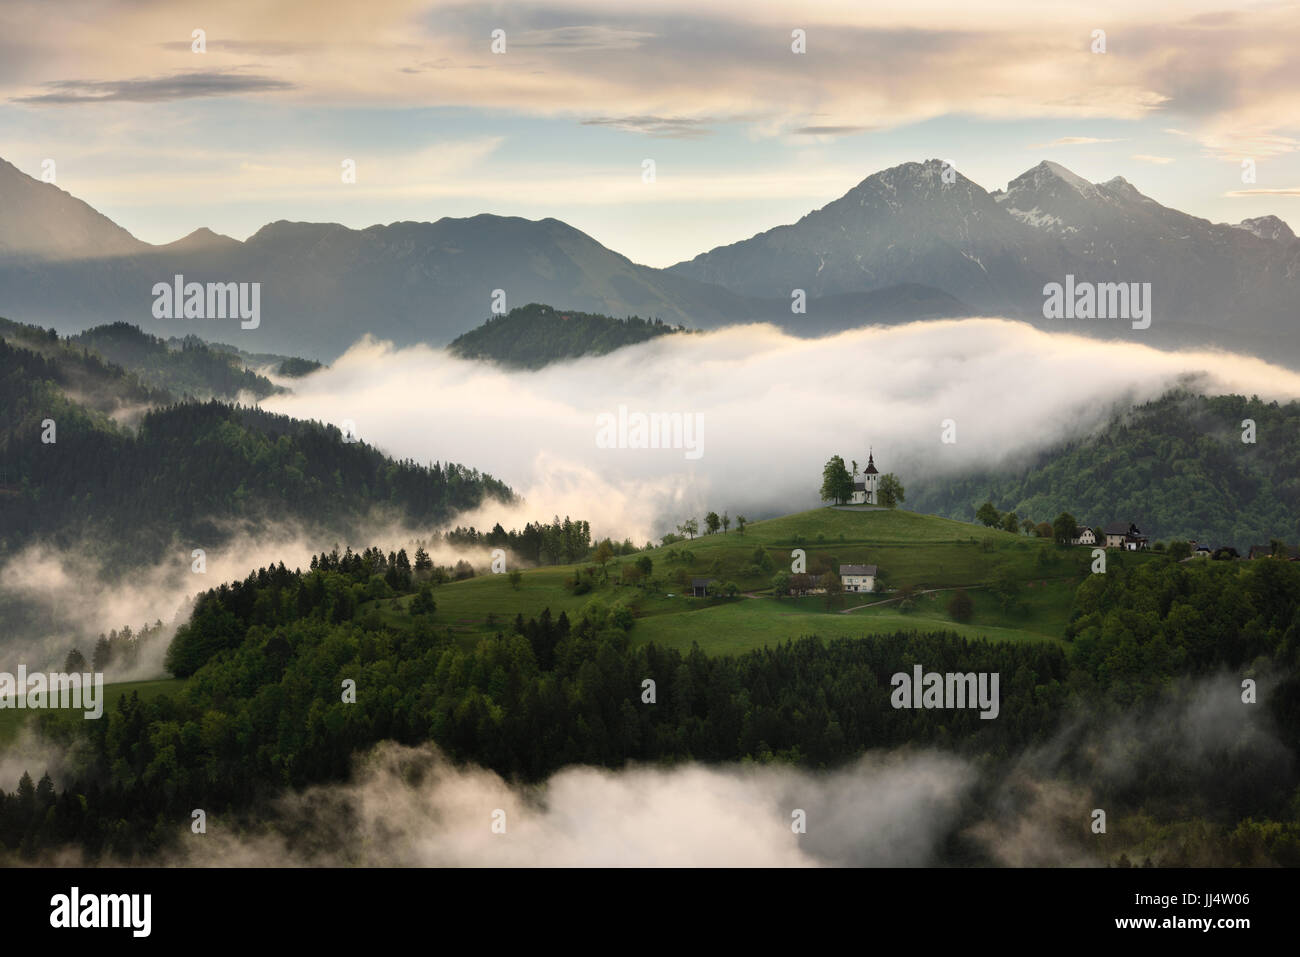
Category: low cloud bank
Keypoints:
(773, 409)
(410, 807)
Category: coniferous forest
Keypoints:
(268, 656)
(134, 468)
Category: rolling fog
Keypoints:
(77, 601)
(774, 409)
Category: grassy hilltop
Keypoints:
(923, 551)
(934, 555)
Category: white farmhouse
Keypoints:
(858, 577)
(1124, 535)
(1084, 536)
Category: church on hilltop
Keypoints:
(865, 491)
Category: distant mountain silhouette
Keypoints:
(1236, 286)
(903, 244)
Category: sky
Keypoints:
(744, 132)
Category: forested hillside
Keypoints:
(188, 467)
(1177, 467)
(269, 655)
(534, 335)
(194, 369)
(39, 371)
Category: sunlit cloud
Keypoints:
(865, 66)
(1278, 191)
(1073, 141)
(154, 90)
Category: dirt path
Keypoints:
(928, 591)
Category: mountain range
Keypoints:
(916, 241)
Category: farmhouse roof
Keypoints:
(701, 582)
(858, 570)
(1121, 528)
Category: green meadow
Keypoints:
(934, 555)
(12, 719)
(923, 551)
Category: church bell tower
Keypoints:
(871, 479)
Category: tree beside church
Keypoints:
(844, 487)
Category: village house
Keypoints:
(1084, 535)
(1124, 535)
(865, 492)
(700, 587)
(858, 578)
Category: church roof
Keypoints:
(871, 466)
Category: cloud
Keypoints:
(56, 599)
(1228, 80)
(1147, 158)
(155, 90)
(410, 807)
(251, 47)
(1231, 143)
(1264, 191)
(591, 37)
(774, 409)
(666, 126)
(830, 130)
(1072, 141)
(278, 177)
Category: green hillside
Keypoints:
(1177, 467)
(1021, 587)
(185, 367)
(41, 372)
(12, 720)
(131, 469)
